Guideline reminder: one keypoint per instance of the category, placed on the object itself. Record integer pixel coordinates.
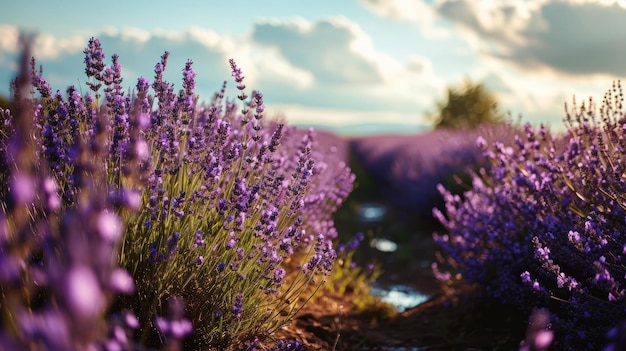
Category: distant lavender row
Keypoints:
(544, 224)
(201, 201)
(409, 167)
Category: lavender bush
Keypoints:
(237, 215)
(59, 273)
(201, 201)
(543, 226)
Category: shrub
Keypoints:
(201, 201)
(543, 225)
(467, 107)
(59, 274)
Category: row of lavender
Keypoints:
(130, 221)
(543, 226)
(408, 167)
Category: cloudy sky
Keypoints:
(342, 62)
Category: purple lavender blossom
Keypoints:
(279, 276)
(238, 75)
(94, 62)
(238, 305)
(538, 335)
(175, 327)
(172, 244)
(283, 345)
(83, 292)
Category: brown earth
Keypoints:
(448, 321)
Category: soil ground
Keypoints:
(452, 319)
(448, 321)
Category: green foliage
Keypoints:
(350, 278)
(467, 106)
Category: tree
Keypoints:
(467, 107)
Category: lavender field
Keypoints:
(142, 216)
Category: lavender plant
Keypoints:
(59, 272)
(201, 201)
(232, 219)
(543, 225)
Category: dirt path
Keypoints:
(445, 322)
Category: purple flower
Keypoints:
(236, 72)
(279, 276)
(538, 336)
(549, 207)
(175, 326)
(153, 253)
(353, 244)
(94, 62)
(22, 189)
(189, 79)
(231, 243)
(83, 292)
(238, 305)
(172, 244)
(198, 241)
(109, 226)
(283, 345)
(122, 282)
(39, 82)
(49, 326)
(131, 320)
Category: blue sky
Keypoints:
(342, 62)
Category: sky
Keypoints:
(383, 64)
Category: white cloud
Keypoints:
(576, 37)
(401, 10)
(537, 97)
(416, 11)
(335, 50)
(346, 69)
(128, 34)
(47, 46)
(9, 37)
(209, 38)
(62, 58)
(309, 115)
(270, 66)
